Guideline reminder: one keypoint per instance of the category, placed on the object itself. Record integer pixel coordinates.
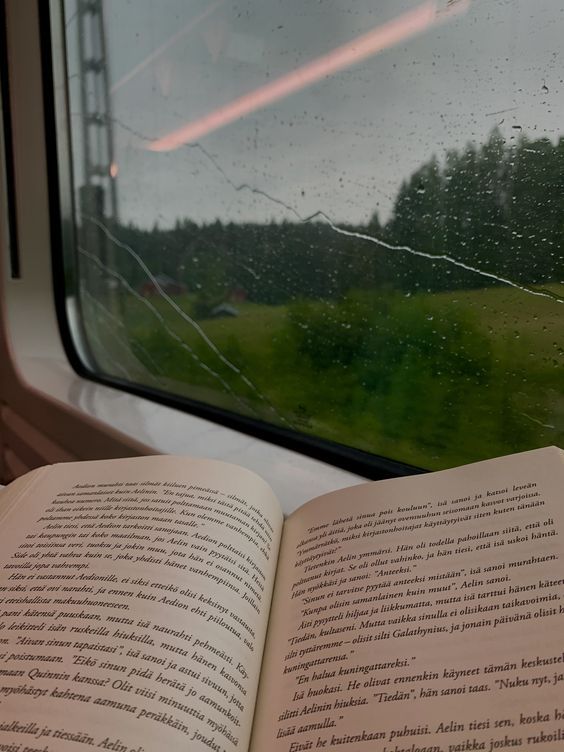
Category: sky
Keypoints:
(291, 107)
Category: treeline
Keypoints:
(497, 208)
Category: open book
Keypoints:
(162, 603)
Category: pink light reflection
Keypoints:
(382, 37)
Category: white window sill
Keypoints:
(295, 478)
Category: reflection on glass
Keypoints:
(345, 221)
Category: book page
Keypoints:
(134, 596)
(420, 614)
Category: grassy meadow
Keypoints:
(429, 379)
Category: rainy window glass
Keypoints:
(344, 219)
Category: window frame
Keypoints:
(62, 214)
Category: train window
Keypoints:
(343, 221)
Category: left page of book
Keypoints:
(134, 598)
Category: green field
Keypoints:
(431, 380)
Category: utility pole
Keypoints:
(97, 198)
(99, 167)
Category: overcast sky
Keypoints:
(343, 142)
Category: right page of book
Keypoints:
(422, 613)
